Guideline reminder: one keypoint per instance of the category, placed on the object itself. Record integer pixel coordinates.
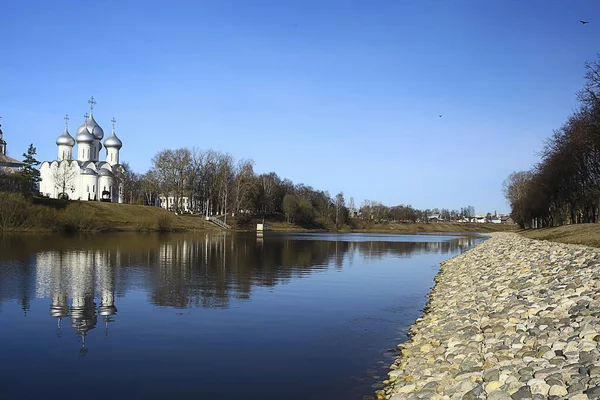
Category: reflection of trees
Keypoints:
(177, 270)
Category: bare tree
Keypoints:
(150, 187)
(339, 205)
(172, 168)
(64, 177)
(244, 184)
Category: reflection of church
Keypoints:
(77, 275)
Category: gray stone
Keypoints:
(522, 394)
(498, 395)
(593, 393)
(492, 375)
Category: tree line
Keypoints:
(209, 182)
(564, 186)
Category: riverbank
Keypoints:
(584, 234)
(391, 228)
(34, 214)
(513, 318)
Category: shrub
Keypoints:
(164, 222)
(14, 210)
(77, 218)
(242, 219)
(43, 217)
(325, 223)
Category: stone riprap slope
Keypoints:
(513, 318)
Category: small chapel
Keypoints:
(85, 178)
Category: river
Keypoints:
(227, 316)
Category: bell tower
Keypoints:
(2, 142)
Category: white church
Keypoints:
(84, 178)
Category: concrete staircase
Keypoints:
(218, 222)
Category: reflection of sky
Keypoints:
(288, 316)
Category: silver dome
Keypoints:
(104, 172)
(88, 171)
(65, 139)
(82, 129)
(113, 141)
(106, 311)
(94, 128)
(84, 136)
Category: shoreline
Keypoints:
(513, 318)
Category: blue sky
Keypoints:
(340, 95)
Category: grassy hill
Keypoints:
(19, 213)
(129, 217)
(586, 234)
(436, 227)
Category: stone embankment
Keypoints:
(512, 318)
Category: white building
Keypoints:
(168, 203)
(86, 177)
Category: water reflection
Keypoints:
(82, 277)
(79, 275)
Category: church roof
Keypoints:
(113, 141)
(6, 161)
(65, 139)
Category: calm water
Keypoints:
(227, 316)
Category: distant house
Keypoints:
(434, 218)
(353, 213)
(7, 164)
(506, 219)
(496, 220)
(481, 219)
(168, 203)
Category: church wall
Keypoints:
(65, 152)
(105, 183)
(112, 156)
(89, 188)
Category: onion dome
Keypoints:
(113, 141)
(65, 139)
(107, 310)
(88, 171)
(82, 129)
(84, 136)
(59, 311)
(94, 128)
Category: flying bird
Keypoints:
(583, 22)
(440, 115)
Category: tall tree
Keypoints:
(30, 173)
(131, 183)
(172, 168)
(244, 187)
(339, 209)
